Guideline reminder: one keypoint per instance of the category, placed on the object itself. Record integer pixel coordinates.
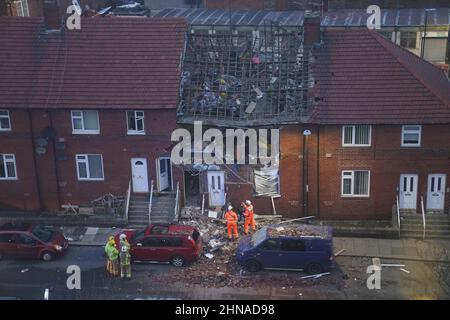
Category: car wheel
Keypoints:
(314, 268)
(177, 261)
(47, 256)
(253, 266)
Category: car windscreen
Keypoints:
(42, 234)
(259, 236)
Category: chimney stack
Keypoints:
(52, 16)
(311, 29)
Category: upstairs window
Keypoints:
(89, 167)
(22, 8)
(355, 183)
(5, 122)
(408, 40)
(135, 122)
(8, 169)
(356, 136)
(85, 122)
(411, 135)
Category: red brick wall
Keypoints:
(116, 147)
(385, 159)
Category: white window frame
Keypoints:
(352, 186)
(403, 144)
(353, 144)
(22, 5)
(86, 161)
(136, 132)
(11, 160)
(7, 116)
(83, 131)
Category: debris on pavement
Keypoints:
(316, 276)
(404, 270)
(209, 255)
(339, 252)
(24, 270)
(392, 265)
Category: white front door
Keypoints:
(139, 174)
(216, 188)
(436, 191)
(163, 167)
(408, 191)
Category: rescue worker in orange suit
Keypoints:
(249, 216)
(232, 219)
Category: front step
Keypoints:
(437, 226)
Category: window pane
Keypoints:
(90, 120)
(11, 170)
(3, 112)
(361, 186)
(4, 123)
(2, 167)
(140, 125)
(131, 120)
(362, 134)
(411, 138)
(77, 124)
(347, 189)
(82, 170)
(95, 167)
(411, 128)
(348, 133)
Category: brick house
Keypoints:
(377, 120)
(84, 111)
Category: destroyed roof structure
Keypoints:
(246, 79)
(298, 230)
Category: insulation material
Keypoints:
(267, 181)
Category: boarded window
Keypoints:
(267, 182)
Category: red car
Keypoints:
(177, 244)
(28, 240)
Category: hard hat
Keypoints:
(111, 238)
(124, 249)
(230, 207)
(123, 236)
(248, 202)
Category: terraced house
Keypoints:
(84, 113)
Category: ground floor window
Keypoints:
(89, 167)
(355, 183)
(8, 169)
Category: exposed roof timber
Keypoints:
(337, 18)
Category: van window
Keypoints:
(292, 245)
(269, 244)
(150, 242)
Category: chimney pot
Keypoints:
(52, 16)
(311, 29)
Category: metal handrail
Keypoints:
(127, 204)
(177, 196)
(423, 217)
(398, 216)
(150, 201)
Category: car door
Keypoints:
(268, 253)
(26, 246)
(294, 253)
(145, 249)
(7, 245)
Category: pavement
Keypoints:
(401, 249)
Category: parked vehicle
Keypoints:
(177, 244)
(28, 240)
(298, 247)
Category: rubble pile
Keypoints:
(217, 267)
(292, 231)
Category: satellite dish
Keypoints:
(40, 150)
(41, 142)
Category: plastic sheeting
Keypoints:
(267, 182)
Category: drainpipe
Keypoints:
(305, 187)
(55, 161)
(36, 172)
(318, 171)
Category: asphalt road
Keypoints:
(28, 279)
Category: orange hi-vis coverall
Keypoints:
(231, 218)
(249, 218)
